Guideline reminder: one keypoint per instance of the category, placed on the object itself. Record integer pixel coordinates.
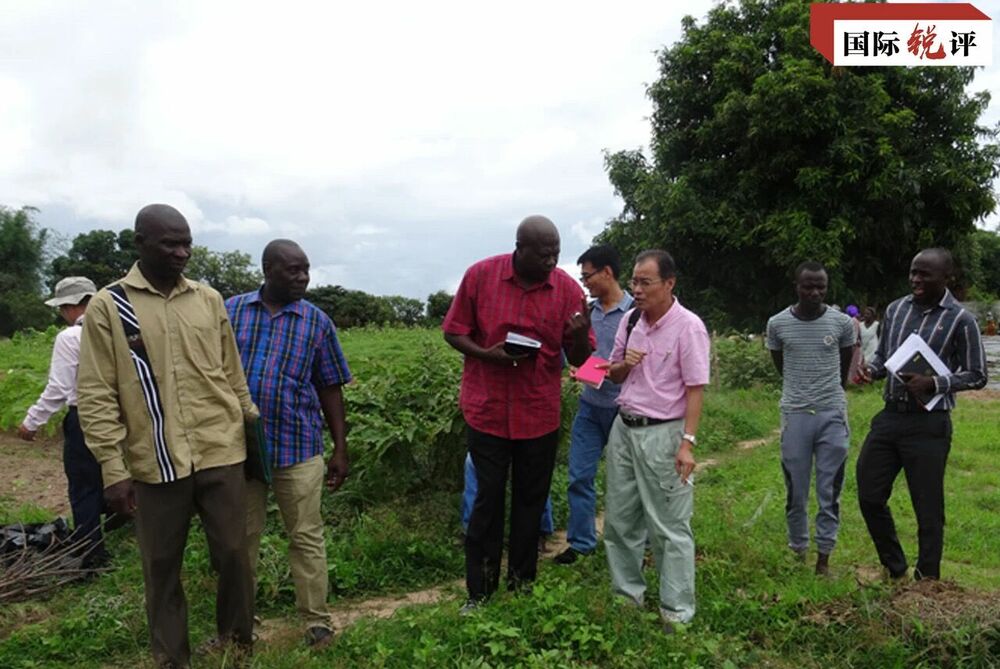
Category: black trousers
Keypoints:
(86, 489)
(531, 462)
(918, 443)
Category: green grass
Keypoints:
(24, 367)
(757, 607)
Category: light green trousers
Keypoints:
(297, 490)
(645, 497)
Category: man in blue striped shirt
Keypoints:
(904, 435)
(295, 370)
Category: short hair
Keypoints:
(601, 256)
(808, 266)
(664, 262)
(274, 249)
(945, 255)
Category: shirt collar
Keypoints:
(136, 279)
(623, 305)
(947, 301)
(507, 274)
(665, 318)
(297, 307)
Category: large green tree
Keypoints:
(22, 269)
(102, 256)
(229, 272)
(438, 305)
(764, 155)
(105, 256)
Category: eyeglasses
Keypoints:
(644, 283)
(585, 276)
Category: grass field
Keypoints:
(757, 606)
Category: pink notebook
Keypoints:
(589, 374)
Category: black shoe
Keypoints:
(569, 556)
(96, 561)
(823, 564)
(318, 637)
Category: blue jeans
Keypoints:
(591, 428)
(469, 498)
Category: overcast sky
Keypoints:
(398, 142)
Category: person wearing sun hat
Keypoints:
(83, 473)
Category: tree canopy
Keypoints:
(102, 256)
(763, 155)
(22, 269)
(229, 272)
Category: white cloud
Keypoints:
(397, 142)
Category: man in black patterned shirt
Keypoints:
(904, 435)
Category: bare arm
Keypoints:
(846, 354)
(331, 400)
(495, 354)
(684, 462)
(778, 358)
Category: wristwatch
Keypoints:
(690, 438)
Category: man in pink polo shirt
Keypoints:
(661, 360)
(511, 401)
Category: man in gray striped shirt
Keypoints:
(811, 345)
(905, 435)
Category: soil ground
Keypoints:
(32, 472)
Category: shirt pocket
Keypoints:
(205, 347)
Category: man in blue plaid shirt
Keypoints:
(295, 369)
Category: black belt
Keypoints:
(642, 421)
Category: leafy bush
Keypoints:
(742, 361)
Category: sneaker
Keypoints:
(470, 607)
(569, 556)
(318, 637)
(669, 623)
(822, 564)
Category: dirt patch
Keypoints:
(384, 607)
(984, 395)
(754, 443)
(288, 631)
(32, 472)
(939, 606)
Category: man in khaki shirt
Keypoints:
(162, 406)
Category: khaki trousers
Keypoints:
(163, 516)
(644, 493)
(297, 489)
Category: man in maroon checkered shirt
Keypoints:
(511, 401)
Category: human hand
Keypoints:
(337, 470)
(864, 374)
(497, 355)
(684, 461)
(25, 433)
(578, 325)
(633, 357)
(918, 385)
(120, 497)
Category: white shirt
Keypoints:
(869, 340)
(61, 388)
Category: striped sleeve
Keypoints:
(969, 351)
